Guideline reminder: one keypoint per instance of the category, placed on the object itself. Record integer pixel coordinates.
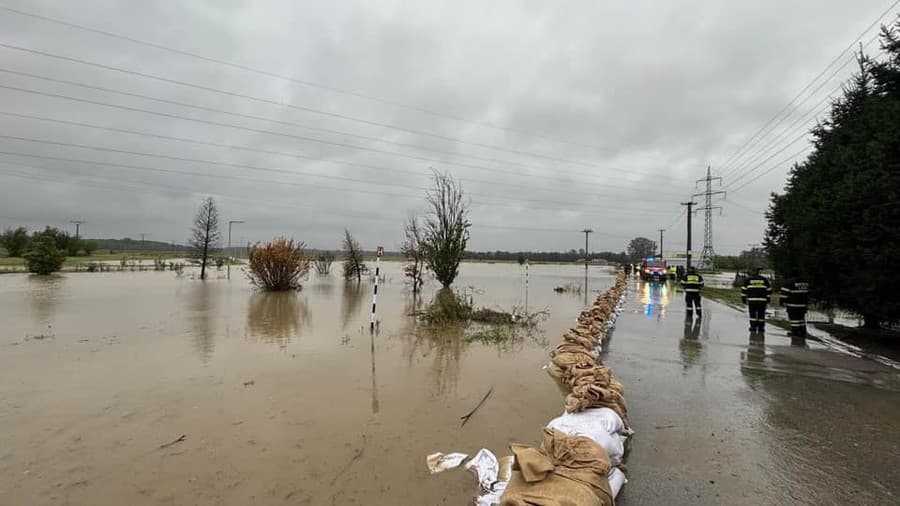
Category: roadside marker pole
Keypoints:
(526, 285)
(379, 252)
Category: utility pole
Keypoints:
(143, 247)
(708, 255)
(690, 212)
(232, 222)
(78, 224)
(586, 232)
(661, 230)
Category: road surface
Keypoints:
(723, 417)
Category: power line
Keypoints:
(779, 164)
(744, 207)
(260, 118)
(760, 164)
(791, 129)
(303, 108)
(182, 191)
(294, 80)
(788, 130)
(567, 205)
(835, 60)
(281, 134)
(297, 155)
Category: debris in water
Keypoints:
(176, 441)
(439, 462)
(486, 467)
(356, 455)
(465, 418)
(249, 383)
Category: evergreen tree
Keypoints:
(836, 225)
(16, 241)
(45, 258)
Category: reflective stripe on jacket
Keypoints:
(692, 283)
(795, 294)
(756, 289)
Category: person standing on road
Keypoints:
(794, 297)
(756, 293)
(692, 283)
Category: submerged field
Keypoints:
(281, 397)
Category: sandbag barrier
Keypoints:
(580, 453)
(577, 461)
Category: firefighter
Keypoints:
(756, 293)
(692, 283)
(794, 297)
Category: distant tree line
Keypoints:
(746, 260)
(17, 241)
(572, 255)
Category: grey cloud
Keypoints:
(644, 95)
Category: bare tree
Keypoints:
(446, 229)
(323, 263)
(206, 233)
(354, 267)
(414, 251)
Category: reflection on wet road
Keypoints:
(726, 417)
(655, 298)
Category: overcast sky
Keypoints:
(555, 116)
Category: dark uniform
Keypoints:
(794, 297)
(692, 283)
(756, 293)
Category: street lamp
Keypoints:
(230, 223)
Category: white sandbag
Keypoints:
(602, 425)
(591, 420)
(616, 479)
(486, 467)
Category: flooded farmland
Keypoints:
(281, 397)
(148, 388)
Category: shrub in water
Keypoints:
(278, 265)
(45, 258)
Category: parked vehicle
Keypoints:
(654, 269)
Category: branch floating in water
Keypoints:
(176, 441)
(465, 418)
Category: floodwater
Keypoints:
(284, 398)
(288, 399)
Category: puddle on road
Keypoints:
(281, 396)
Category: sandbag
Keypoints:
(601, 425)
(616, 480)
(595, 396)
(565, 471)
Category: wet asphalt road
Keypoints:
(723, 417)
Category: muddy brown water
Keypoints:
(287, 399)
(283, 398)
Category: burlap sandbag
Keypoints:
(565, 471)
(595, 396)
(583, 375)
(567, 354)
(579, 339)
